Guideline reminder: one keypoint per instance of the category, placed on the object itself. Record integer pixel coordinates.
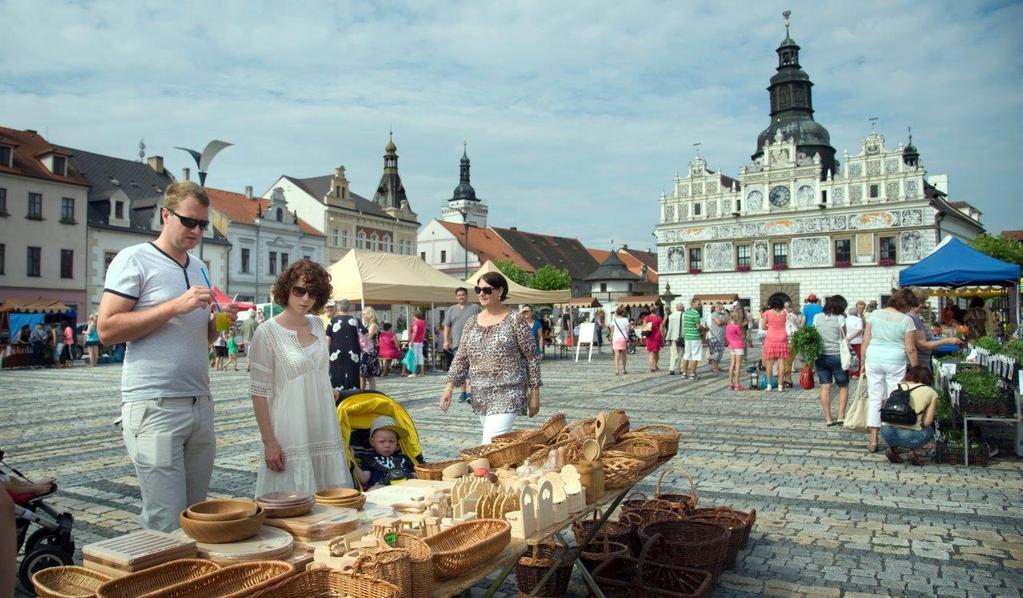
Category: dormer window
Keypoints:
(119, 210)
(6, 155)
(280, 215)
(60, 166)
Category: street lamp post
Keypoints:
(202, 161)
(464, 211)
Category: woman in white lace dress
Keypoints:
(291, 393)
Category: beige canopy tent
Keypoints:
(371, 277)
(518, 293)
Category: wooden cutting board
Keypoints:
(139, 550)
(320, 523)
(269, 543)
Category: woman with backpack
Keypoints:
(889, 346)
(923, 400)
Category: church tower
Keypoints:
(390, 193)
(463, 201)
(792, 109)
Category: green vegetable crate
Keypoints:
(984, 394)
(951, 453)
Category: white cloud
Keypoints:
(577, 115)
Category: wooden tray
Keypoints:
(321, 522)
(139, 550)
(268, 544)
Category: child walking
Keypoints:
(735, 342)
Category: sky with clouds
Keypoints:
(577, 114)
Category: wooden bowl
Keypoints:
(355, 503)
(336, 494)
(222, 532)
(293, 511)
(283, 498)
(228, 509)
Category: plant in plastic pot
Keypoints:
(806, 342)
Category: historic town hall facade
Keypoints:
(799, 221)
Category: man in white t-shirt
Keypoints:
(157, 299)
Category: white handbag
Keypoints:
(856, 415)
(844, 354)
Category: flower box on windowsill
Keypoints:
(68, 221)
(780, 267)
(886, 263)
(742, 268)
(695, 270)
(843, 264)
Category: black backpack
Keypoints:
(898, 410)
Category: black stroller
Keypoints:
(51, 544)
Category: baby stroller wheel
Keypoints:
(41, 558)
(45, 537)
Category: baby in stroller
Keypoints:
(383, 444)
(386, 464)
(51, 544)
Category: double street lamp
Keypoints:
(202, 162)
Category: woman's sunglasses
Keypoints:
(297, 291)
(484, 290)
(190, 222)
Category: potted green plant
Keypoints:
(982, 393)
(806, 343)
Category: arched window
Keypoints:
(385, 244)
(280, 215)
(373, 239)
(360, 240)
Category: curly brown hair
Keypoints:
(317, 281)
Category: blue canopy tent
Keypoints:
(954, 264)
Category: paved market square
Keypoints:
(832, 520)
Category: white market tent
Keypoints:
(371, 277)
(518, 293)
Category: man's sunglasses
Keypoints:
(190, 222)
(484, 290)
(298, 291)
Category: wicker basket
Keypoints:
(696, 544)
(465, 546)
(734, 523)
(685, 503)
(434, 471)
(420, 559)
(601, 549)
(532, 438)
(328, 582)
(625, 577)
(621, 472)
(156, 578)
(748, 517)
(553, 427)
(391, 564)
(617, 423)
(573, 452)
(667, 439)
(499, 455)
(614, 531)
(580, 430)
(642, 448)
(234, 581)
(539, 559)
(67, 582)
(649, 510)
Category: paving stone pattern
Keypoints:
(832, 520)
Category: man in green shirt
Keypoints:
(692, 332)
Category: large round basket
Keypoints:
(420, 563)
(234, 581)
(553, 427)
(748, 518)
(465, 546)
(539, 559)
(684, 502)
(696, 544)
(331, 582)
(667, 439)
(156, 578)
(434, 471)
(67, 581)
(730, 521)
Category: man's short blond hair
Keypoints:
(180, 191)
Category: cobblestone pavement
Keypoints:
(832, 520)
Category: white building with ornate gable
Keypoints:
(798, 221)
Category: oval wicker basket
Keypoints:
(667, 439)
(234, 581)
(697, 544)
(156, 578)
(67, 581)
(465, 546)
(621, 471)
(330, 582)
(499, 455)
(434, 471)
(553, 427)
(532, 438)
(420, 562)
(642, 448)
(686, 503)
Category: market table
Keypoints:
(508, 557)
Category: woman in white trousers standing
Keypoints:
(497, 355)
(889, 345)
